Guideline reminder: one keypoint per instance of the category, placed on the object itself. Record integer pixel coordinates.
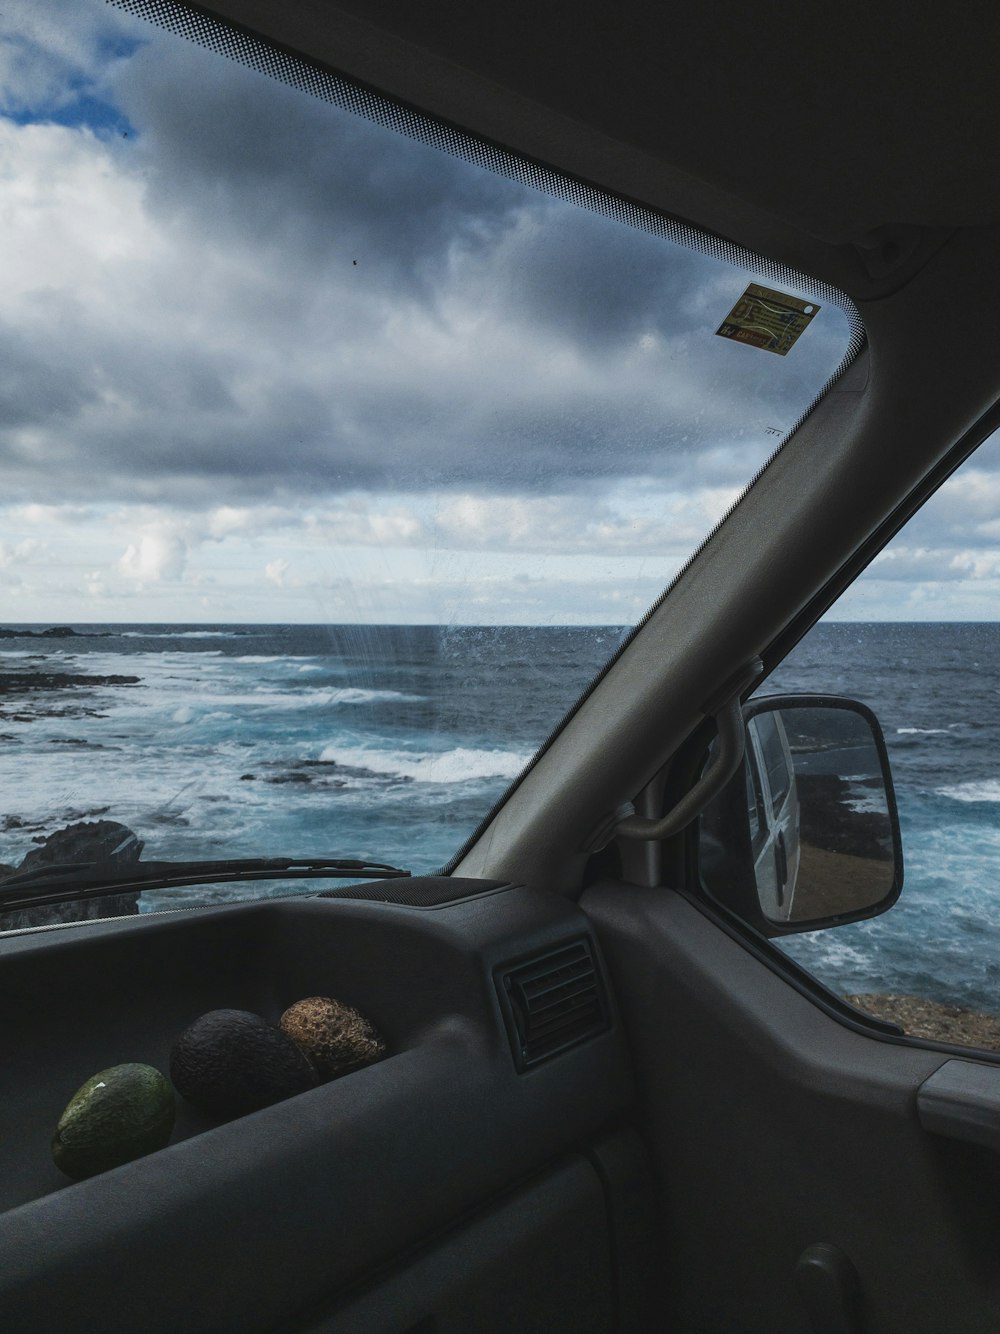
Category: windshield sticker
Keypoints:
(769, 320)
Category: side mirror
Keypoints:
(806, 834)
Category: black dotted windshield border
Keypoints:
(257, 53)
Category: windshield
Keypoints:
(334, 465)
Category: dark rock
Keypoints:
(830, 821)
(100, 841)
(15, 822)
(22, 683)
(56, 632)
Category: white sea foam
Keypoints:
(272, 657)
(461, 765)
(179, 634)
(308, 697)
(155, 660)
(987, 789)
(873, 804)
(824, 950)
(358, 695)
(922, 731)
(173, 692)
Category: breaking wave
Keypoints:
(460, 765)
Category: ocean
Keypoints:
(383, 742)
(935, 689)
(392, 742)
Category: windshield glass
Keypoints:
(334, 466)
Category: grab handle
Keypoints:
(724, 707)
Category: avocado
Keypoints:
(117, 1115)
(230, 1062)
(336, 1037)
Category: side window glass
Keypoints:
(775, 758)
(917, 638)
(754, 804)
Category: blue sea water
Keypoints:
(935, 689)
(392, 742)
(383, 742)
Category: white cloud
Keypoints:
(156, 556)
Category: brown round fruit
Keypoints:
(336, 1037)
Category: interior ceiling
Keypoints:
(798, 129)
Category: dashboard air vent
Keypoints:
(553, 1002)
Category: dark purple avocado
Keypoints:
(230, 1062)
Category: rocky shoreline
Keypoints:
(22, 683)
(84, 842)
(920, 1018)
(56, 632)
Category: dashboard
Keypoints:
(492, 1141)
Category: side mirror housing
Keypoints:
(806, 834)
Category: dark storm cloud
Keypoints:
(254, 161)
(345, 309)
(35, 386)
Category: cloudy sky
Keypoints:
(263, 361)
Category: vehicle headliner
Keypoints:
(801, 131)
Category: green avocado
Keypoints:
(119, 1114)
(230, 1062)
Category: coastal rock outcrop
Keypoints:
(85, 841)
(56, 632)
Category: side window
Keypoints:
(755, 804)
(917, 638)
(775, 758)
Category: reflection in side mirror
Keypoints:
(806, 835)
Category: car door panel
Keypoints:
(776, 1128)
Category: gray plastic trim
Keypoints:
(961, 1100)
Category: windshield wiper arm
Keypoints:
(66, 881)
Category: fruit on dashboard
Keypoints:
(335, 1036)
(119, 1114)
(230, 1062)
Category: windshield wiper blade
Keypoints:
(66, 881)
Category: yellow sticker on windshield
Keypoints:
(766, 319)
